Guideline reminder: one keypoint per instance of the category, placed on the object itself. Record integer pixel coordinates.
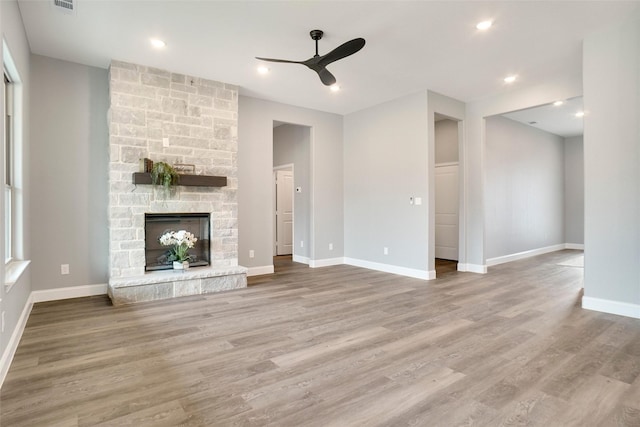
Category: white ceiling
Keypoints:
(411, 46)
(557, 119)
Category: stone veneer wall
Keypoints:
(200, 119)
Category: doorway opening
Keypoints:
(447, 194)
(534, 181)
(291, 194)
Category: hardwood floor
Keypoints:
(335, 346)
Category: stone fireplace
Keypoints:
(176, 119)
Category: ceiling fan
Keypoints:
(319, 63)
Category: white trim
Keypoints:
(525, 254)
(301, 259)
(69, 292)
(444, 164)
(12, 345)
(394, 269)
(612, 307)
(315, 263)
(472, 268)
(259, 271)
(578, 246)
(13, 271)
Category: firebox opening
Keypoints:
(155, 225)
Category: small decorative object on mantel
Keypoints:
(185, 169)
(180, 241)
(146, 165)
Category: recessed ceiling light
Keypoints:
(510, 79)
(558, 103)
(157, 43)
(335, 88)
(263, 70)
(484, 25)
(580, 114)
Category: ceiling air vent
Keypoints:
(65, 6)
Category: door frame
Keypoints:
(462, 193)
(286, 167)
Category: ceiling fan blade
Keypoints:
(279, 60)
(326, 77)
(342, 51)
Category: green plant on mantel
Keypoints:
(164, 174)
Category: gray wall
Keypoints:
(386, 161)
(574, 190)
(69, 173)
(524, 188)
(446, 137)
(14, 301)
(611, 72)
(291, 145)
(255, 169)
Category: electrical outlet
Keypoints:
(386, 251)
(165, 142)
(252, 253)
(330, 246)
(64, 268)
(418, 200)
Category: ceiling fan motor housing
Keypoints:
(316, 34)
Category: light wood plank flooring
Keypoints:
(335, 346)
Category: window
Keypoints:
(12, 159)
(9, 217)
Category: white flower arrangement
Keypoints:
(181, 241)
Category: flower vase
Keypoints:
(180, 265)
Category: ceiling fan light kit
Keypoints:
(318, 63)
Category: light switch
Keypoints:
(298, 189)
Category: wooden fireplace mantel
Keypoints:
(186, 180)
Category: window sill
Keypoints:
(12, 272)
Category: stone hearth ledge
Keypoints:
(158, 285)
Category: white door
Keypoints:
(284, 212)
(447, 211)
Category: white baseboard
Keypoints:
(69, 292)
(387, 268)
(612, 307)
(12, 345)
(522, 255)
(472, 268)
(578, 246)
(301, 259)
(327, 262)
(259, 271)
